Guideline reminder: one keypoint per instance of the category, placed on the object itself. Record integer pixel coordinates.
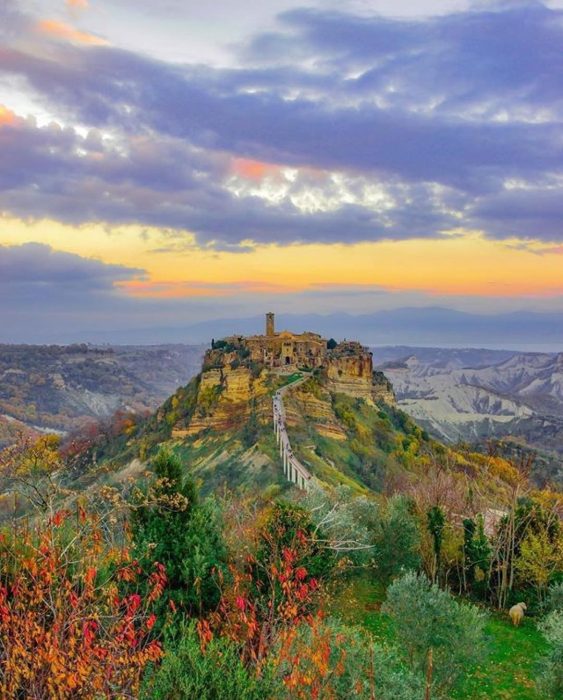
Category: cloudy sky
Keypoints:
(162, 163)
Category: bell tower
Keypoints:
(270, 324)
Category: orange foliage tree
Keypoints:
(67, 630)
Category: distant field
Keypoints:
(507, 673)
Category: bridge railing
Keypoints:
(293, 469)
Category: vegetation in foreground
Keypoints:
(155, 591)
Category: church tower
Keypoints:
(270, 324)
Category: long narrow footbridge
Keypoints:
(292, 467)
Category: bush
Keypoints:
(555, 597)
(214, 674)
(65, 630)
(327, 659)
(425, 617)
(397, 540)
(550, 680)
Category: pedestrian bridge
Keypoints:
(293, 469)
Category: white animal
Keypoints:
(516, 613)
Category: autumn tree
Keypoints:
(540, 557)
(29, 468)
(66, 632)
(275, 585)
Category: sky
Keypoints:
(165, 163)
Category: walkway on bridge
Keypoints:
(292, 467)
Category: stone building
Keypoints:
(286, 349)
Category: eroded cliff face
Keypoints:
(225, 399)
(350, 371)
(314, 401)
(232, 386)
(350, 374)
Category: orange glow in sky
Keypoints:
(457, 265)
(62, 30)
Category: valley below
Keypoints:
(59, 389)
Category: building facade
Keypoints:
(286, 349)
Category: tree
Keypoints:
(550, 680)
(397, 540)
(170, 525)
(30, 469)
(476, 551)
(436, 520)
(427, 618)
(366, 533)
(276, 585)
(540, 557)
(527, 520)
(331, 344)
(66, 631)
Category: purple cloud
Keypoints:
(443, 116)
(37, 269)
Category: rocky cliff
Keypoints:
(225, 399)
(349, 371)
(232, 386)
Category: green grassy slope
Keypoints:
(506, 674)
(341, 440)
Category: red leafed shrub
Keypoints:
(274, 587)
(66, 630)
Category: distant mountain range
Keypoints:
(427, 326)
(471, 395)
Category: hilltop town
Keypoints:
(239, 370)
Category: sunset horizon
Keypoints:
(341, 158)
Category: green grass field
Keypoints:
(506, 674)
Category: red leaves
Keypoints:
(158, 580)
(133, 603)
(89, 629)
(271, 590)
(204, 632)
(65, 631)
(288, 555)
(59, 517)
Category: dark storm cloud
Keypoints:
(37, 270)
(162, 181)
(469, 101)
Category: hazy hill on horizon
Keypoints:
(424, 326)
